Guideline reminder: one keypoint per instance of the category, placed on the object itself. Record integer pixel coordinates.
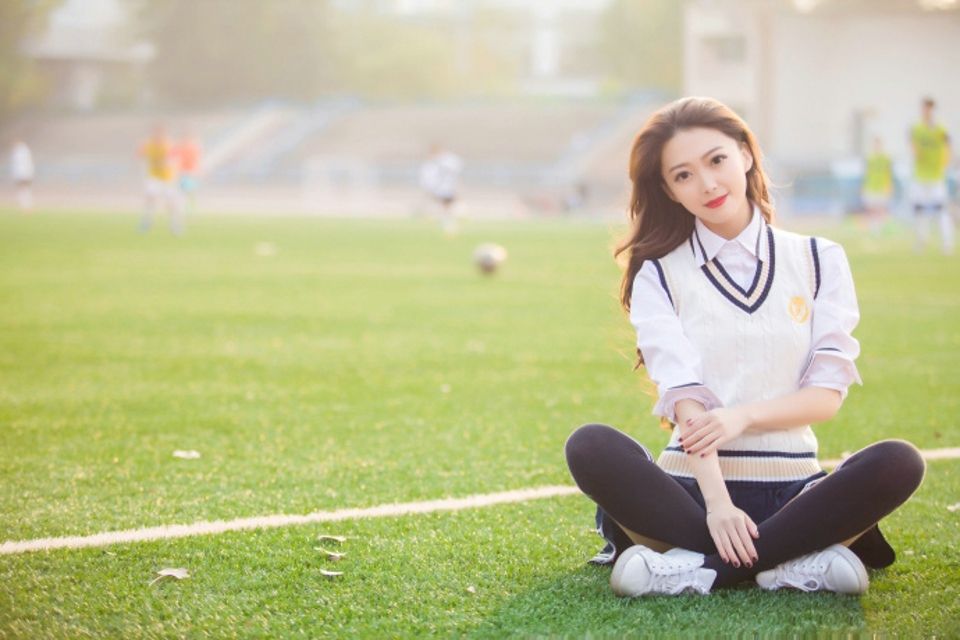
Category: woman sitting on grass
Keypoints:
(746, 330)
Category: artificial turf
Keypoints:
(353, 363)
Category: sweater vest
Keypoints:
(754, 344)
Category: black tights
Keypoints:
(614, 471)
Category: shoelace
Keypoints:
(673, 577)
(674, 583)
(807, 575)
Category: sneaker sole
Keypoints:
(618, 568)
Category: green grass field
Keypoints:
(367, 362)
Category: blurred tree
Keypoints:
(494, 62)
(642, 42)
(20, 86)
(216, 51)
(444, 55)
(380, 57)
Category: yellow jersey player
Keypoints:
(877, 185)
(931, 156)
(160, 181)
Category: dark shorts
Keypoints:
(760, 501)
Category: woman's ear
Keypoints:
(747, 157)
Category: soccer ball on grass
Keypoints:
(488, 257)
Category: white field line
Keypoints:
(948, 453)
(282, 520)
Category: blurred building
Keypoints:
(817, 79)
(88, 56)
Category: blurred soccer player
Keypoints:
(877, 185)
(21, 170)
(160, 182)
(439, 177)
(931, 156)
(187, 153)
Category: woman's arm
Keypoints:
(671, 360)
(706, 432)
(731, 528)
(674, 365)
(806, 406)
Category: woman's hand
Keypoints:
(709, 431)
(733, 533)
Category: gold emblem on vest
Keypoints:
(799, 310)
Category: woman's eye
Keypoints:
(681, 176)
(718, 159)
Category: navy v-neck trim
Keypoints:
(749, 300)
(732, 282)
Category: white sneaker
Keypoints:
(836, 568)
(640, 571)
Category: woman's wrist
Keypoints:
(712, 486)
(748, 415)
(716, 502)
(687, 408)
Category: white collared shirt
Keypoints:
(738, 256)
(673, 363)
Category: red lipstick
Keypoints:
(713, 204)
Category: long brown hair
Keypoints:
(658, 224)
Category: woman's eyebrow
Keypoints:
(703, 156)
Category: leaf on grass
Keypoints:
(179, 574)
(265, 249)
(186, 455)
(331, 574)
(471, 589)
(954, 507)
(332, 555)
(324, 537)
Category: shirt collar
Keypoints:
(711, 243)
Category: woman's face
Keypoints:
(706, 171)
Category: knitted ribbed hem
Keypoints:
(740, 466)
